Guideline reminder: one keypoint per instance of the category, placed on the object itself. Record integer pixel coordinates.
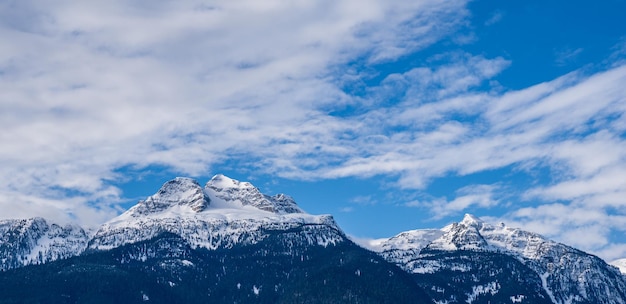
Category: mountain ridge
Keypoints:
(467, 261)
(36, 241)
(224, 213)
(567, 275)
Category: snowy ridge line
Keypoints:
(475, 235)
(568, 275)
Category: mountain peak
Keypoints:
(235, 192)
(181, 191)
(220, 182)
(177, 184)
(471, 220)
(221, 192)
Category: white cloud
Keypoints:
(474, 196)
(346, 209)
(89, 88)
(368, 243)
(495, 18)
(566, 56)
(613, 252)
(542, 123)
(363, 200)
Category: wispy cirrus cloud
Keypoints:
(495, 17)
(566, 56)
(541, 123)
(473, 196)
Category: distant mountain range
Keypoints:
(227, 242)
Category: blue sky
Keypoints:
(390, 116)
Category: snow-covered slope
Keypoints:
(238, 193)
(568, 275)
(35, 241)
(404, 247)
(223, 214)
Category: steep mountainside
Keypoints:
(35, 241)
(564, 274)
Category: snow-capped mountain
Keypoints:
(35, 241)
(223, 214)
(567, 275)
